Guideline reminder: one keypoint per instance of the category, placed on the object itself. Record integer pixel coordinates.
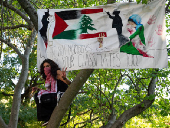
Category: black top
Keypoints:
(61, 86)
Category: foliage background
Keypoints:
(106, 91)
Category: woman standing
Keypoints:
(55, 81)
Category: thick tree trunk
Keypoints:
(17, 95)
(22, 79)
(68, 97)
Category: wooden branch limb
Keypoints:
(136, 87)
(111, 120)
(12, 46)
(85, 122)
(2, 123)
(30, 42)
(137, 109)
(13, 121)
(19, 13)
(128, 114)
(79, 114)
(5, 94)
(118, 82)
(139, 79)
(96, 97)
(112, 116)
(31, 11)
(103, 94)
(152, 86)
(17, 26)
(91, 114)
(35, 4)
(21, 82)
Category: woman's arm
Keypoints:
(61, 75)
(67, 81)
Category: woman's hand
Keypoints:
(34, 89)
(61, 74)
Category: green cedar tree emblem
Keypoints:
(86, 23)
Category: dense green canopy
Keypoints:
(99, 98)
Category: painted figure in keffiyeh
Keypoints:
(55, 82)
(136, 45)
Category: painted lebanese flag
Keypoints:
(77, 24)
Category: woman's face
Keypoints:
(46, 65)
(131, 27)
(132, 23)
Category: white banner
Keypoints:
(120, 35)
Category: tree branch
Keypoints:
(12, 46)
(21, 82)
(17, 26)
(112, 117)
(5, 94)
(30, 10)
(139, 108)
(79, 114)
(103, 94)
(85, 122)
(2, 123)
(135, 85)
(118, 82)
(19, 13)
(30, 43)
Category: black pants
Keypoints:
(44, 110)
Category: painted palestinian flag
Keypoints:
(76, 24)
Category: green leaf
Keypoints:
(164, 113)
(142, 105)
(151, 97)
(144, 1)
(138, 1)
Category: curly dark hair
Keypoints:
(54, 68)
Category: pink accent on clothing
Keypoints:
(50, 83)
